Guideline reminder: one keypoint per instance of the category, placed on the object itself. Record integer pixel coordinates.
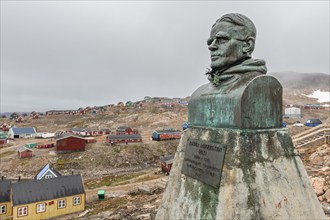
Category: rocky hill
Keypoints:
(297, 85)
(102, 164)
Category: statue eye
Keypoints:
(222, 40)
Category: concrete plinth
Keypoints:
(262, 178)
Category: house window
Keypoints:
(3, 209)
(76, 200)
(61, 204)
(41, 207)
(22, 211)
(48, 176)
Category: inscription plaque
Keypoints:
(203, 161)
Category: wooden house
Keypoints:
(104, 131)
(47, 172)
(167, 134)
(5, 201)
(22, 133)
(48, 198)
(123, 138)
(3, 138)
(24, 152)
(166, 163)
(70, 143)
(126, 130)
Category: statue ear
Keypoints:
(248, 46)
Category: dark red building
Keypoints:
(123, 138)
(126, 130)
(166, 163)
(70, 143)
(24, 152)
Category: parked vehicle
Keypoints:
(298, 124)
(284, 124)
(313, 122)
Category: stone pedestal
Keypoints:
(262, 177)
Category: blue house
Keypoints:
(47, 172)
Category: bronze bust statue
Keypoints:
(240, 94)
(231, 44)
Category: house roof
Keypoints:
(4, 191)
(24, 130)
(122, 128)
(23, 148)
(166, 131)
(124, 136)
(46, 189)
(67, 135)
(43, 171)
(167, 159)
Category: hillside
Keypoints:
(297, 85)
(122, 168)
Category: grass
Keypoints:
(119, 180)
(107, 204)
(7, 153)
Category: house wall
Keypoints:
(3, 141)
(51, 209)
(8, 210)
(123, 140)
(71, 144)
(25, 154)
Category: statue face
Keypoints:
(225, 45)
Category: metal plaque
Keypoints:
(203, 161)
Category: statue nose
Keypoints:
(213, 45)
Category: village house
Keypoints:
(22, 133)
(47, 198)
(3, 138)
(167, 134)
(5, 202)
(24, 152)
(47, 172)
(69, 143)
(123, 138)
(166, 163)
(126, 130)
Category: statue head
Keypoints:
(232, 39)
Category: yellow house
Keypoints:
(5, 202)
(48, 198)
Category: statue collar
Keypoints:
(244, 66)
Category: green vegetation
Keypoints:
(107, 204)
(7, 153)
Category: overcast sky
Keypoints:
(71, 54)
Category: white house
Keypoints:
(21, 133)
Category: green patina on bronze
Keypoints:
(239, 94)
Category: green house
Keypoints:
(31, 145)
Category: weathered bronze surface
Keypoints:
(239, 94)
(203, 161)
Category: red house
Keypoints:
(125, 130)
(123, 138)
(70, 143)
(166, 163)
(24, 152)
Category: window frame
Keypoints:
(24, 211)
(62, 202)
(75, 199)
(3, 207)
(44, 207)
(48, 176)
